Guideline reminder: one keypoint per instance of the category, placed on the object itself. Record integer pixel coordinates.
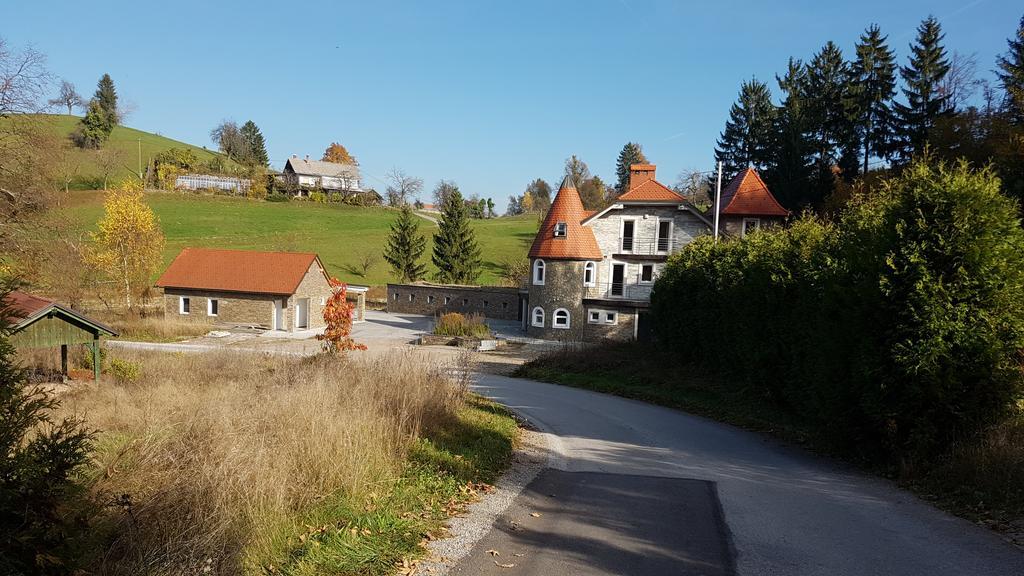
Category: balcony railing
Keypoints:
(645, 246)
(619, 291)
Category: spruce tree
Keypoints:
(747, 138)
(255, 146)
(456, 253)
(826, 93)
(405, 246)
(631, 154)
(106, 97)
(94, 127)
(872, 88)
(922, 79)
(1011, 74)
(789, 170)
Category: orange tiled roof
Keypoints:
(237, 271)
(747, 195)
(579, 242)
(651, 191)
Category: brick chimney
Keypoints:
(640, 173)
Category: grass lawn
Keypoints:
(124, 139)
(340, 234)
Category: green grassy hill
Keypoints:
(340, 234)
(124, 139)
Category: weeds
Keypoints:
(455, 324)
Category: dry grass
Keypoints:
(154, 328)
(455, 324)
(208, 458)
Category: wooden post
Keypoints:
(96, 357)
(64, 361)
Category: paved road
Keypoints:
(642, 490)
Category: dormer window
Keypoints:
(560, 230)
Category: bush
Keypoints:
(86, 361)
(279, 197)
(455, 324)
(317, 197)
(125, 370)
(895, 331)
(40, 456)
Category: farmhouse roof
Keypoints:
(24, 309)
(747, 195)
(245, 271)
(309, 167)
(578, 242)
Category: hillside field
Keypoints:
(124, 139)
(340, 234)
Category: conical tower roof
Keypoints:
(578, 242)
(747, 195)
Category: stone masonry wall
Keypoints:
(233, 308)
(314, 286)
(496, 302)
(562, 288)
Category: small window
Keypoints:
(560, 229)
(184, 304)
(485, 303)
(212, 307)
(412, 297)
(611, 317)
(750, 224)
(647, 273)
(504, 305)
(560, 319)
(538, 317)
(430, 299)
(538, 272)
(323, 301)
(589, 273)
(447, 299)
(602, 317)
(595, 317)
(465, 301)
(395, 297)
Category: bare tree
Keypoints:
(24, 80)
(576, 170)
(125, 109)
(67, 97)
(961, 83)
(367, 259)
(109, 159)
(228, 138)
(402, 187)
(694, 186)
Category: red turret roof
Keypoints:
(747, 195)
(579, 242)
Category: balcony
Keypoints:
(631, 290)
(639, 246)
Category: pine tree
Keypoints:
(828, 125)
(1011, 74)
(789, 170)
(106, 96)
(872, 88)
(94, 129)
(405, 246)
(631, 154)
(922, 79)
(456, 253)
(746, 140)
(255, 146)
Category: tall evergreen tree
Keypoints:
(826, 94)
(405, 246)
(872, 88)
(789, 172)
(747, 138)
(922, 79)
(1011, 74)
(255, 145)
(106, 97)
(456, 253)
(631, 154)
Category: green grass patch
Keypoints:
(339, 233)
(448, 467)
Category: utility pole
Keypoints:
(718, 199)
(140, 163)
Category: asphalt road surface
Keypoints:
(636, 489)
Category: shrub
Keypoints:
(125, 370)
(894, 332)
(279, 197)
(39, 457)
(317, 197)
(455, 324)
(86, 361)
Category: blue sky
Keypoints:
(488, 94)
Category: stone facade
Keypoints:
(733, 225)
(496, 302)
(562, 289)
(234, 308)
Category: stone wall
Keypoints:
(562, 288)
(496, 302)
(233, 308)
(624, 327)
(314, 286)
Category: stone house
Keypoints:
(273, 290)
(592, 273)
(747, 205)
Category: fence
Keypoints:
(207, 182)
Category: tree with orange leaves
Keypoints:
(338, 318)
(338, 154)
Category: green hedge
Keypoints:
(894, 331)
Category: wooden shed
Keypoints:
(42, 323)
